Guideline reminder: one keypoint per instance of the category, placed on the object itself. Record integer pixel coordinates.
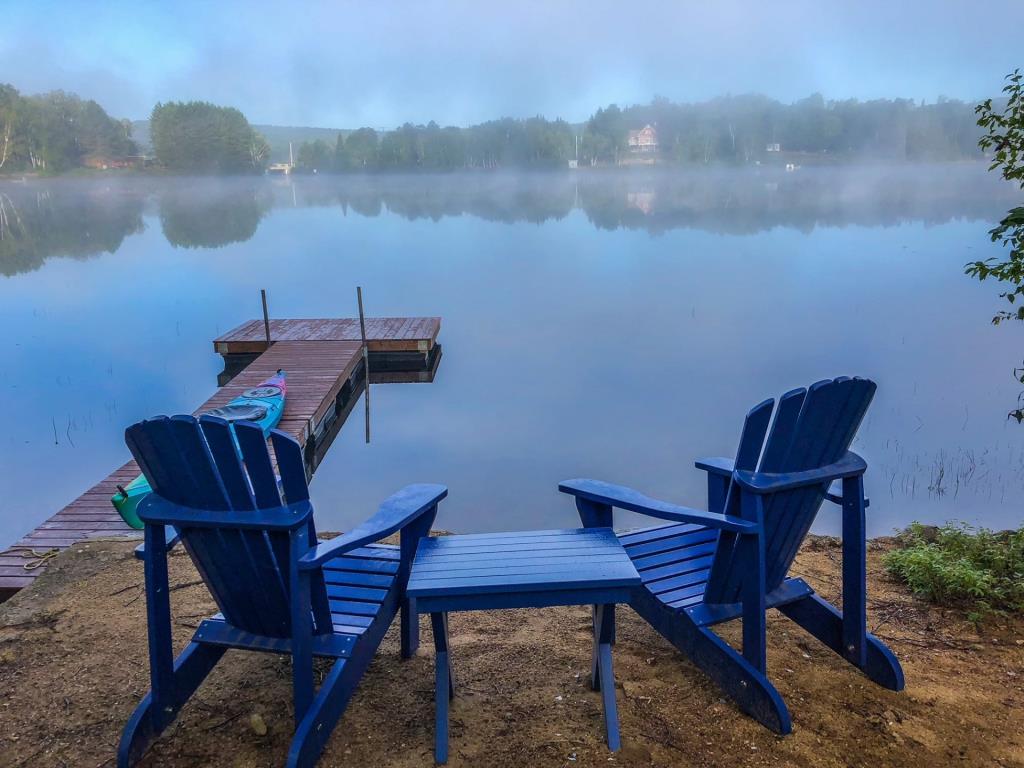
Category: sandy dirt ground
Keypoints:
(73, 666)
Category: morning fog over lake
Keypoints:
(613, 323)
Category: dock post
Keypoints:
(366, 358)
(266, 316)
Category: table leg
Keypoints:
(602, 677)
(444, 685)
(410, 628)
(607, 621)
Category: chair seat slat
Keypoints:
(668, 544)
(677, 556)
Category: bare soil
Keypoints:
(73, 666)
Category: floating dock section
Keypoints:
(326, 374)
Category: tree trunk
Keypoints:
(8, 130)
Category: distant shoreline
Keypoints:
(811, 161)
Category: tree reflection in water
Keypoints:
(79, 218)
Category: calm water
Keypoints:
(610, 325)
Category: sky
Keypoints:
(347, 64)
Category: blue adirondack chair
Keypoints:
(732, 561)
(277, 588)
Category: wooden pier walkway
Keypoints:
(325, 375)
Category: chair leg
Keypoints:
(846, 633)
(150, 718)
(855, 606)
(327, 707)
(409, 541)
(823, 621)
(749, 688)
(324, 712)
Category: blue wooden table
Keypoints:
(527, 569)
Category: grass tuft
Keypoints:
(962, 566)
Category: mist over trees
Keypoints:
(55, 132)
(198, 137)
(730, 129)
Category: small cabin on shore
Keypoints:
(105, 163)
(643, 140)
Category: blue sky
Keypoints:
(345, 64)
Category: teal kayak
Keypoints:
(262, 405)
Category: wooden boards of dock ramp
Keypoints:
(324, 374)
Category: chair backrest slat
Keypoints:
(257, 461)
(219, 438)
(295, 489)
(260, 556)
(812, 428)
(823, 437)
(226, 468)
(751, 439)
(292, 469)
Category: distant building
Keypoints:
(104, 163)
(776, 147)
(643, 140)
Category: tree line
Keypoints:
(732, 129)
(58, 131)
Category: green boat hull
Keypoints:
(127, 499)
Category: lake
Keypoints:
(608, 324)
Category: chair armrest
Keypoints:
(394, 513)
(156, 510)
(716, 465)
(634, 501)
(850, 465)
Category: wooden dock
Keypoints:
(325, 377)
(404, 344)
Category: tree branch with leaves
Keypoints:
(1004, 136)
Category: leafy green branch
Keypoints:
(1004, 136)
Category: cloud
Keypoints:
(349, 64)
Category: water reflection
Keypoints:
(211, 216)
(613, 325)
(39, 222)
(42, 219)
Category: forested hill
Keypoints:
(277, 137)
(731, 129)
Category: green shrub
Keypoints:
(957, 564)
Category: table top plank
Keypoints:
(444, 565)
(521, 564)
(481, 548)
(517, 554)
(555, 533)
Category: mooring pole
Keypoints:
(266, 316)
(366, 359)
